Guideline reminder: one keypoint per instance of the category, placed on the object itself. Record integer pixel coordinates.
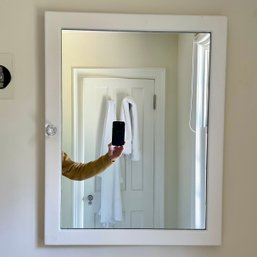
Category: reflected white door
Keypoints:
(136, 177)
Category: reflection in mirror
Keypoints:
(165, 185)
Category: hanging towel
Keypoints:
(111, 206)
(128, 114)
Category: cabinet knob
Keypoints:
(50, 130)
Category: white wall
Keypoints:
(22, 125)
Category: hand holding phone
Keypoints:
(114, 152)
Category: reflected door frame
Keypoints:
(158, 75)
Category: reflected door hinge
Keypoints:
(154, 101)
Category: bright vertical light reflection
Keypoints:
(202, 51)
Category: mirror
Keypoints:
(177, 200)
(168, 70)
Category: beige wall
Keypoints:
(22, 123)
(185, 137)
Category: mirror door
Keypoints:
(183, 142)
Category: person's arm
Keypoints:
(81, 171)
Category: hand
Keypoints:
(114, 152)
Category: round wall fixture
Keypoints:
(5, 77)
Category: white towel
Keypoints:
(111, 207)
(128, 114)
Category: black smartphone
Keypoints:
(118, 133)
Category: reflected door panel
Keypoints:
(136, 176)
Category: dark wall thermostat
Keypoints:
(5, 77)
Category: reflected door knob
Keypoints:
(90, 198)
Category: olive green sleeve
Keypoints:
(80, 171)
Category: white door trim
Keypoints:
(158, 75)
